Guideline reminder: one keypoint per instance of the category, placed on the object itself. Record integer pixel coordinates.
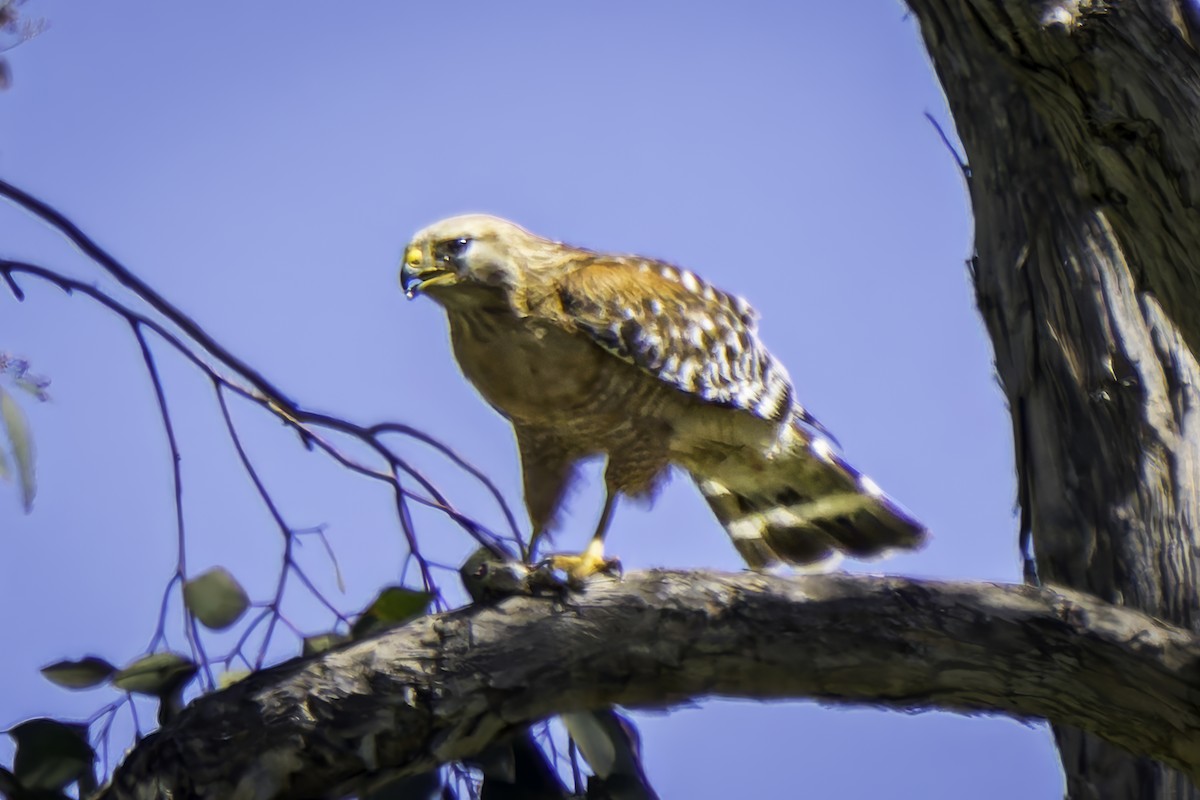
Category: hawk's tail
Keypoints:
(809, 506)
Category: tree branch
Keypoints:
(445, 686)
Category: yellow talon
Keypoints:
(586, 564)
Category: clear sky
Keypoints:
(262, 165)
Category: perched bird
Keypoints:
(590, 353)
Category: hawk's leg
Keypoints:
(636, 471)
(592, 559)
(548, 470)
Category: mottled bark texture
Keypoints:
(1081, 124)
(443, 687)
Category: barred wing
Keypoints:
(681, 329)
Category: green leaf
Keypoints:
(82, 674)
(216, 598)
(21, 440)
(394, 606)
(158, 674)
(322, 642)
(51, 754)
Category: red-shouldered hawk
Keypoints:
(594, 354)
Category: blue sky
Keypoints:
(262, 166)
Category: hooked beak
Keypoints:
(410, 280)
(414, 276)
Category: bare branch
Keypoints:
(180, 577)
(306, 423)
(183, 337)
(444, 687)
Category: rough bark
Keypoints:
(444, 687)
(1081, 124)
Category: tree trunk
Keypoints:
(1081, 124)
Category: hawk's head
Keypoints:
(468, 259)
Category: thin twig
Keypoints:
(289, 563)
(295, 418)
(963, 166)
(191, 628)
(140, 288)
(471, 469)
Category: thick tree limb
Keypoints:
(445, 686)
(1079, 120)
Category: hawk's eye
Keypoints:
(453, 248)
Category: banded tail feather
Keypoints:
(809, 507)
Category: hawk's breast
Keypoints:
(536, 373)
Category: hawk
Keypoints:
(590, 353)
